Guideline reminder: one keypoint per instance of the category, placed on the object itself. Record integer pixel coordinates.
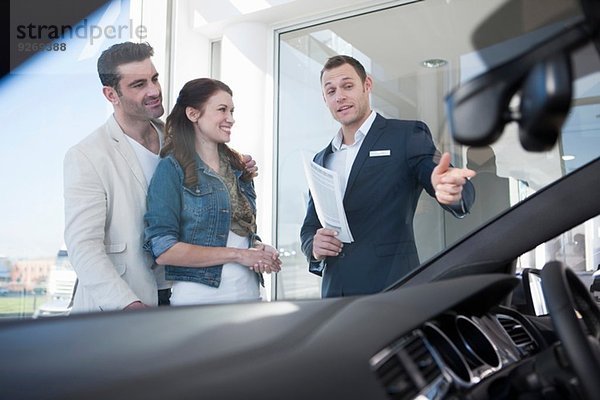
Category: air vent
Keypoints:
(396, 380)
(519, 335)
(422, 358)
(407, 368)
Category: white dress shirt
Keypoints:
(148, 161)
(343, 155)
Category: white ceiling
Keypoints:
(423, 30)
(212, 16)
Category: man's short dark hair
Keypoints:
(339, 60)
(118, 54)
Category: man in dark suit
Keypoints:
(383, 164)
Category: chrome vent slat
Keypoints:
(396, 379)
(518, 334)
(391, 370)
(423, 359)
(409, 368)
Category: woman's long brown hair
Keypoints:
(180, 140)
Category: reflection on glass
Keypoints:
(537, 296)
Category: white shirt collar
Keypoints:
(358, 136)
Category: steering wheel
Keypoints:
(564, 292)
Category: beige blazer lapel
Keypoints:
(124, 149)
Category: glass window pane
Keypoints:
(417, 53)
(48, 103)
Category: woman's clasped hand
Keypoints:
(262, 258)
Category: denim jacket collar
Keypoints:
(202, 167)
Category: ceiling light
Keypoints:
(434, 63)
(567, 157)
(250, 6)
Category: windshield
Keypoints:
(416, 52)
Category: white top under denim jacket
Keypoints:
(199, 215)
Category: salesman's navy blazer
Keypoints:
(380, 201)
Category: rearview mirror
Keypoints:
(545, 103)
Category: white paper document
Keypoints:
(326, 193)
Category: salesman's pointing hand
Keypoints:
(448, 181)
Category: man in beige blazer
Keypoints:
(105, 188)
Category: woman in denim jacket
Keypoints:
(201, 216)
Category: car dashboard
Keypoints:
(449, 339)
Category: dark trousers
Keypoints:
(164, 297)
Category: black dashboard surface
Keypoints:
(303, 349)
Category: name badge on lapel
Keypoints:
(380, 153)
